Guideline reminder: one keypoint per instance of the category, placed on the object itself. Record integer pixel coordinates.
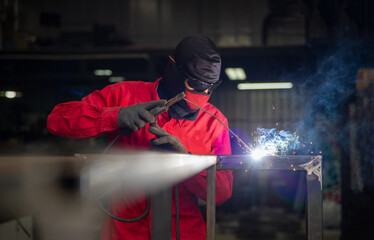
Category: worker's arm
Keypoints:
(93, 116)
(224, 178)
(100, 112)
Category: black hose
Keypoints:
(106, 150)
(146, 211)
(130, 219)
(23, 228)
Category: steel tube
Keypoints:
(211, 203)
(161, 214)
(281, 162)
(314, 208)
(131, 172)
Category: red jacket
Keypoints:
(97, 114)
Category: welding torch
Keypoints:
(155, 111)
(160, 110)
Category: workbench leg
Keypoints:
(211, 203)
(161, 214)
(314, 208)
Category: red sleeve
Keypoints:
(224, 179)
(95, 115)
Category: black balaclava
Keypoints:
(195, 57)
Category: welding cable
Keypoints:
(146, 211)
(130, 219)
(23, 228)
(13, 210)
(106, 150)
(237, 137)
(176, 192)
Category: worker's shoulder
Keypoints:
(213, 110)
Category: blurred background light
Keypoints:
(103, 72)
(10, 94)
(260, 86)
(235, 74)
(115, 79)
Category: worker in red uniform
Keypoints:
(194, 68)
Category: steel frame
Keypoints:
(311, 164)
(160, 173)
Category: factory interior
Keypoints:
(295, 74)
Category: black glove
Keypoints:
(134, 117)
(165, 141)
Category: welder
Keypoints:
(193, 68)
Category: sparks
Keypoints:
(273, 142)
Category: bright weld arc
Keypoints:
(240, 140)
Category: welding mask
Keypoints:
(193, 68)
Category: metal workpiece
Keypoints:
(162, 214)
(314, 215)
(311, 164)
(290, 162)
(134, 172)
(45, 184)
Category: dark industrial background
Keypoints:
(49, 51)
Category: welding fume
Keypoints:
(171, 114)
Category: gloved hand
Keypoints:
(165, 141)
(134, 117)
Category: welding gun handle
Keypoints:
(158, 110)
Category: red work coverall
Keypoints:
(97, 114)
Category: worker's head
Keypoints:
(194, 67)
